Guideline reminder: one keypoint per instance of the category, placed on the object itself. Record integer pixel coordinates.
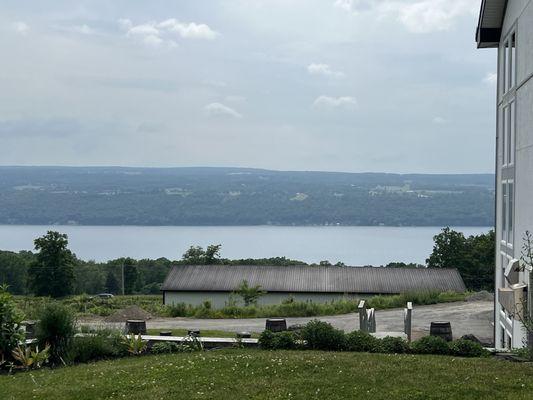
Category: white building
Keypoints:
(194, 284)
(508, 26)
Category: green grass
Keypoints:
(204, 333)
(255, 374)
(84, 305)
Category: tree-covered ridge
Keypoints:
(237, 196)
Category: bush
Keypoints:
(468, 348)
(102, 344)
(177, 310)
(431, 345)
(10, 331)
(164, 348)
(362, 342)
(322, 336)
(394, 345)
(266, 340)
(56, 327)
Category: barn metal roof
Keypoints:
(304, 278)
(490, 23)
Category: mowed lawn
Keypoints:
(255, 374)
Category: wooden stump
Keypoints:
(165, 333)
(30, 329)
(193, 332)
(243, 335)
(276, 324)
(135, 327)
(442, 329)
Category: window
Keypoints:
(507, 212)
(511, 133)
(504, 211)
(510, 212)
(508, 67)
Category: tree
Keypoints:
(52, 272)
(250, 294)
(473, 257)
(196, 255)
(130, 275)
(10, 331)
(112, 285)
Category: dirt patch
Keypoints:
(131, 312)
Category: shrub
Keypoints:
(362, 342)
(164, 348)
(468, 348)
(135, 344)
(177, 310)
(394, 345)
(56, 327)
(322, 336)
(266, 340)
(102, 344)
(10, 331)
(431, 345)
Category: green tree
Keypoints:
(14, 270)
(130, 275)
(473, 257)
(52, 272)
(196, 255)
(112, 285)
(10, 318)
(249, 294)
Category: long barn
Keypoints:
(193, 284)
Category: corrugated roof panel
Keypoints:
(304, 278)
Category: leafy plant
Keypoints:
(394, 345)
(11, 332)
(320, 335)
(468, 348)
(249, 294)
(56, 327)
(27, 358)
(164, 348)
(362, 342)
(135, 344)
(431, 345)
(98, 345)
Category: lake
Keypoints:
(353, 245)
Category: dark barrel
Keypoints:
(136, 326)
(276, 324)
(442, 329)
(165, 333)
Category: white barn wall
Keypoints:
(219, 299)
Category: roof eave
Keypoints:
(490, 22)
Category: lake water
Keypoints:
(351, 245)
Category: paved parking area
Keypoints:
(472, 317)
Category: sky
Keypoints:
(333, 85)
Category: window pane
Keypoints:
(509, 140)
(510, 211)
(504, 211)
(512, 136)
(512, 63)
(504, 136)
(506, 67)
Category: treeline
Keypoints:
(53, 270)
(225, 196)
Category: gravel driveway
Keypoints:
(472, 317)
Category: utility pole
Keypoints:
(123, 278)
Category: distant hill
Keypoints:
(240, 196)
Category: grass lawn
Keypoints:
(255, 374)
(203, 332)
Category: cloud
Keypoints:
(417, 16)
(439, 120)
(324, 70)
(189, 30)
(346, 102)
(164, 33)
(38, 127)
(217, 109)
(20, 27)
(491, 78)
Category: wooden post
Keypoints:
(371, 320)
(363, 318)
(135, 327)
(407, 320)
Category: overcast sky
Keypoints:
(339, 85)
